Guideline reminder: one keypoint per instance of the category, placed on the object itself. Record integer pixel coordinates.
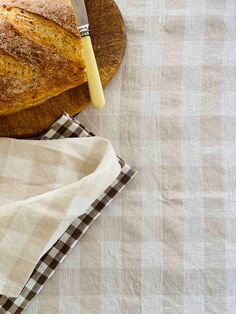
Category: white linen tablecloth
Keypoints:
(168, 243)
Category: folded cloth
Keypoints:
(44, 187)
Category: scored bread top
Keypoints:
(59, 11)
(40, 52)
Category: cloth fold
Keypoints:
(45, 186)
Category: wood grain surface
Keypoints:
(109, 42)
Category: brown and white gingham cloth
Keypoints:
(65, 127)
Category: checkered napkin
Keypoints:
(65, 127)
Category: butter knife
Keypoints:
(94, 80)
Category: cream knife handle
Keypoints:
(94, 80)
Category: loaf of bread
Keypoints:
(40, 52)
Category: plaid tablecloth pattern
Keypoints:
(65, 127)
(167, 245)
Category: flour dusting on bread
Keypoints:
(39, 58)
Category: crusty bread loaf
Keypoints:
(40, 52)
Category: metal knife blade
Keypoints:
(81, 15)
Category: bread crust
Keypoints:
(40, 52)
(59, 11)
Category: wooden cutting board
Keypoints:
(109, 42)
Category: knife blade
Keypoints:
(94, 80)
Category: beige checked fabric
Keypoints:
(167, 245)
(45, 186)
